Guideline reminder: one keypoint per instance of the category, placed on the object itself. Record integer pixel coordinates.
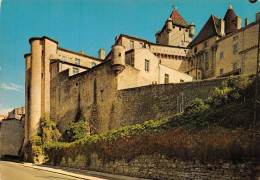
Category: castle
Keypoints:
(137, 80)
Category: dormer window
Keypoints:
(93, 64)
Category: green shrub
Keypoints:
(49, 130)
(76, 130)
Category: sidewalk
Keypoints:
(79, 173)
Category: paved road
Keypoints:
(28, 171)
(18, 171)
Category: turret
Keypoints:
(169, 27)
(118, 59)
(191, 29)
(35, 86)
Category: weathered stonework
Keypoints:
(159, 167)
(11, 137)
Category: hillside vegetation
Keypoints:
(220, 127)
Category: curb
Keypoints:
(79, 173)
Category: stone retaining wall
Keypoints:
(159, 167)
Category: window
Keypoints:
(146, 68)
(182, 43)
(199, 76)
(132, 60)
(195, 49)
(149, 46)
(235, 49)
(221, 55)
(185, 51)
(191, 62)
(173, 27)
(166, 78)
(141, 45)
(131, 44)
(77, 61)
(179, 29)
(221, 71)
(186, 30)
(206, 66)
(205, 44)
(64, 58)
(93, 64)
(206, 56)
(181, 80)
(102, 94)
(235, 38)
(235, 66)
(75, 71)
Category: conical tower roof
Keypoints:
(229, 19)
(177, 19)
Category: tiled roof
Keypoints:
(177, 19)
(211, 28)
(229, 19)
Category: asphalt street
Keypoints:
(18, 171)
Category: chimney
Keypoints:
(222, 27)
(238, 22)
(102, 54)
(116, 38)
(82, 51)
(246, 21)
(257, 17)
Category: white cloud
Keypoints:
(12, 87)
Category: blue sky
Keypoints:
(89, 25)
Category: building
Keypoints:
(12, 133)
(64, 83)
(3, 117)
(223, 47)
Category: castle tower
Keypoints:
(176, 31)
(35, 86)
(118, 59)
(192, 29)
(232, 21)
(37, 97)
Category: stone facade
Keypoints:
(160, 167)
(11, 137)
(95, 93)
(109, 90)
(222, 51)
